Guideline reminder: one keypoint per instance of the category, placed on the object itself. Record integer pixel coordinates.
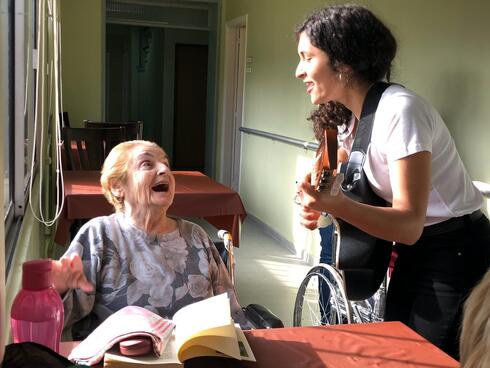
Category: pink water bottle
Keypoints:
(37, 312)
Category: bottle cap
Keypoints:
(36, 275)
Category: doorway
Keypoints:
(117, 74)
(191, 64)
(162, 35)
(134, 73)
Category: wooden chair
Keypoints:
(87, 148)
(134, 129)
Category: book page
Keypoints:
(193, 351)
(209, 346)
(229, 347)
(243, 345)
(207, 328)
(203, 315)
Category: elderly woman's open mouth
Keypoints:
(161, 187)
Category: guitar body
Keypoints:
(363, 258)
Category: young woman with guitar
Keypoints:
(433, 209)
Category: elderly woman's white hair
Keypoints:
(475, 333)
(115, 168)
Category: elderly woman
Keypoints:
(139, 255)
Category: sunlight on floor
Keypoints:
(287, 274)
(267, 272)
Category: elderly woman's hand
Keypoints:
(67, 273)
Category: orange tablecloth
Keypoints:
(387, 344)
(380, 345)
(196, 195)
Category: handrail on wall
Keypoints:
(312, 146)
(484, 188)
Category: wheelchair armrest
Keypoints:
(261, 317)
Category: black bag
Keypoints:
(32, 355)
(363, 258)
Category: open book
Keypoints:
(200, 329)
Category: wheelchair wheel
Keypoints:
(310, 310)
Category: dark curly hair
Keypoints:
(352, 35)
(327, 116)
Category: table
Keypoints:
(196, 195)
(385, 344)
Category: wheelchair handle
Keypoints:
(228, 243)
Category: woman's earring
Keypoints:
(340, 77)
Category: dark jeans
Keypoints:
(326, 244)
(433, 278)
(325, 257)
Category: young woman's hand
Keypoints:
(309, 218)
(316, 202)
(67, 273)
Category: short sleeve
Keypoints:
(409, 127)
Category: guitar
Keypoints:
(324, 172)
(363, 258)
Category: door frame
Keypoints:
(233, 101)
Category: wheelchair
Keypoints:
(330, 295)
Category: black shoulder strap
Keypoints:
(363, 135)
(365, 126)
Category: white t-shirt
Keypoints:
(405, 124)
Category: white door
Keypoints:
(238, 113)
(235, 38)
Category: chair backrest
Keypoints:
(134, 129)
(87, 148)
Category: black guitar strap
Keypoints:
(357, 156)
(363, 135)
(363, 258)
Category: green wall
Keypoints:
(443, 55)
(83, 33)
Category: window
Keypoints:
(18, 29)
(24, 92)
(6, 84)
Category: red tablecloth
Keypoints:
(371, 345)
(196, 195)
(387, 344)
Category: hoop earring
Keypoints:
(340, 77)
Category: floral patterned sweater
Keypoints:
(161, 273)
